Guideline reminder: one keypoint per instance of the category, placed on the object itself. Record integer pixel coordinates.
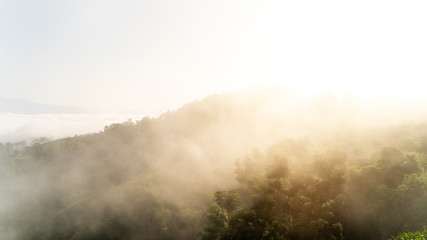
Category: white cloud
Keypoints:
(18, 127)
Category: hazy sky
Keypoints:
(150, 56)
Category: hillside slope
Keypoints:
(153, 178)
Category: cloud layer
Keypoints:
(18, 127)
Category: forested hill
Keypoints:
(154, 178)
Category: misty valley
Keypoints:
(256, 164)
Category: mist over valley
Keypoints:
(154, 178)
(213, 120)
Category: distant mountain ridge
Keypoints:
(8, 105)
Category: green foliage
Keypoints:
(416, 235)
(220, 214)
(282, 205)
(395, 165)
(325, 198)
(151, 179)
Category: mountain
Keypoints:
(154, 178)
(8, 105)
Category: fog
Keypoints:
(153, 177)
(215, 146)
(26, 127)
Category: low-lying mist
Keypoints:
(155, 177)
(26, 127)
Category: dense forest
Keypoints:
(261, 164)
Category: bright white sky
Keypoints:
(150, 56)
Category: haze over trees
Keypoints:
(261, 164)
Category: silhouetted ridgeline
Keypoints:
(323, 168)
